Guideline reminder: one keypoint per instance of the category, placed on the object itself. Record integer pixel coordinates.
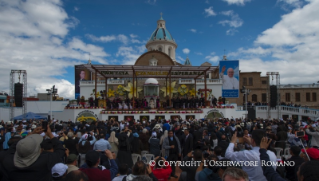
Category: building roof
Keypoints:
(187, 61)
(151, 81)
(127, 71)
(161, 34)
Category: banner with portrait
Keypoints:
(80, 74)
(229, 73)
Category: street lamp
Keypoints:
(51, 91)
(246, 92)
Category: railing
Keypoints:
(289, 86)
(200, 81)
(293, 110)
(110, 81)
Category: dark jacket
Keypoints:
(188, 145)
(39, 170)
(291, 172)
(190, 169)
(269, 171)
(154, 146)
(71, 144)
(224, 144)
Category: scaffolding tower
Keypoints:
(272, 74)
(24, 93)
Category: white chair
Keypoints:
(144, 152)
(149, 157)
(135, 158)
(278, 150)
(287, 153)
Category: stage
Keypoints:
(96, 113)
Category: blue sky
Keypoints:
(48, 37)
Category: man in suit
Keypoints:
(188, 142)
(172, 150)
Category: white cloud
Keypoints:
(207, 1)
(130, 54)
(179, 59)
(32, 38)
(133, 36)
(110, 38)
(235, 20)
(290, 47)
(198, 53)
(104, 39)
(152, 2)
(76, 8)
(231, 31)
(212, 57)
(210, 12)
(123, 39)
(193, 30)
(286, 4)
(186, 50)
(237, 2)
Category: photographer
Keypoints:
(315, 136)
(162, 169)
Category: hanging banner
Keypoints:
(229, 73)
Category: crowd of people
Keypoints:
(153, 102)
(103, 150)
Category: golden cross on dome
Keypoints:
(161, 15)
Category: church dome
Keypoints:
(161, 34)
(151, 81)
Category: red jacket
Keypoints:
(95, 174)
(162, 174)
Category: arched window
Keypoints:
(160, 49)
(254, 98)
(161, 24)
(169, 51)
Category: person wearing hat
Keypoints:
(72, 162)
(59, 171)
(92, 159)
(313, 154)
(25, 161)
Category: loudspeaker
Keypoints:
(273, 96)
(18, 94)
(251, 113)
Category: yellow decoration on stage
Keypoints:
(173, 90)
(82, 118)
(120, 90)
(129, 89)
(183, 89)
(110, 93)
(192, 92)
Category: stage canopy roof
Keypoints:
(127, 71)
